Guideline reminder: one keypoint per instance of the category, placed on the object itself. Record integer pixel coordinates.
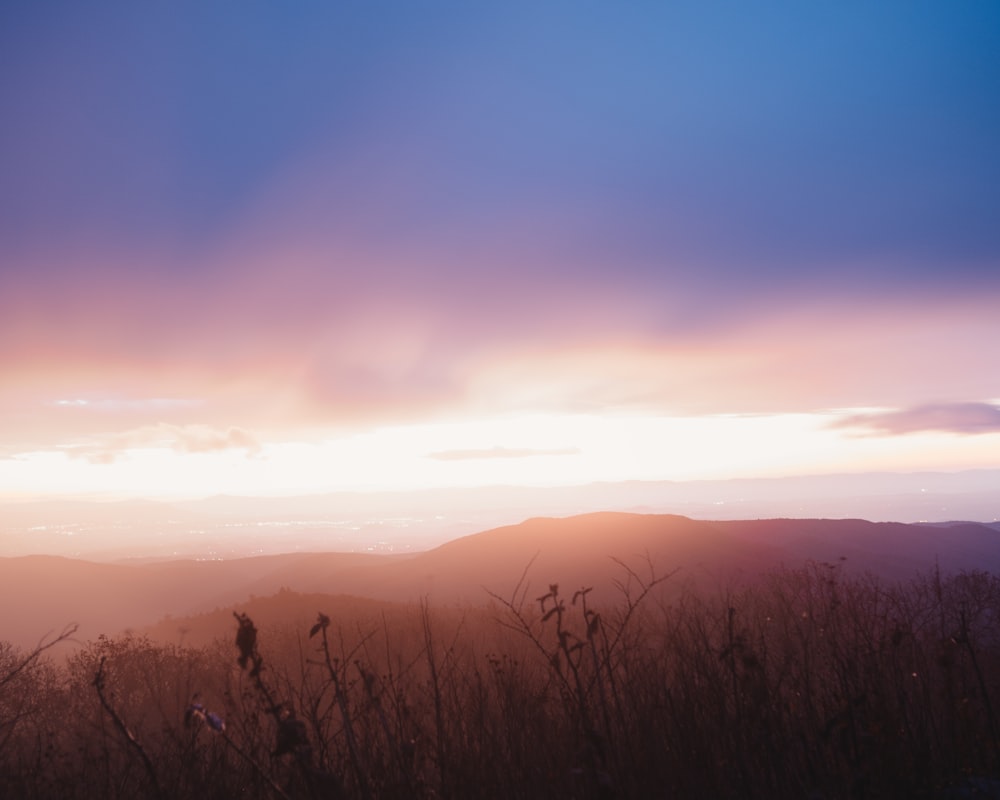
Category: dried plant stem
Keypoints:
(125, 732)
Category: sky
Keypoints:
(263, 248)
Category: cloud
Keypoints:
(967, 418)
(119, 405)
(500, 452)
(203, 439)
(264, 361)
(179, 438)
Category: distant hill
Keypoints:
(39, 594)
(42, 593)
(416, 521)
(891, 550)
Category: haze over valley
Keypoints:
(407, 522)
(45, 593)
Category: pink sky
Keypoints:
(317, 252)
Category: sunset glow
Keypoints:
(535, 450)
(499, 399)
(340, 249)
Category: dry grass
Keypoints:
(806, 684)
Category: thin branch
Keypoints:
(41, 647)
(123, 729)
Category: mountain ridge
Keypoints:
(231, 526)
(42, 593)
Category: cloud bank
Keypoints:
(178, 438)
(964, 418)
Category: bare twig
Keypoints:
(44, 644)
(129, 737)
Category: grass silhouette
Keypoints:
(806, 683)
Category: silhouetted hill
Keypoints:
(889, 549)
(42, 593)
(578, 551)
(232, 527)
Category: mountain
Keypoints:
(40, 594)
(43, 593)
(891, 550)
(416, 521)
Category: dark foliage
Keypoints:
(804, 684)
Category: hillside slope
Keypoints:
(43, 593)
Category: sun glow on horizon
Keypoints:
(516, 450)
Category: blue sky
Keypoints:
(780, 135)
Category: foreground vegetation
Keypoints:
(805, 684)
